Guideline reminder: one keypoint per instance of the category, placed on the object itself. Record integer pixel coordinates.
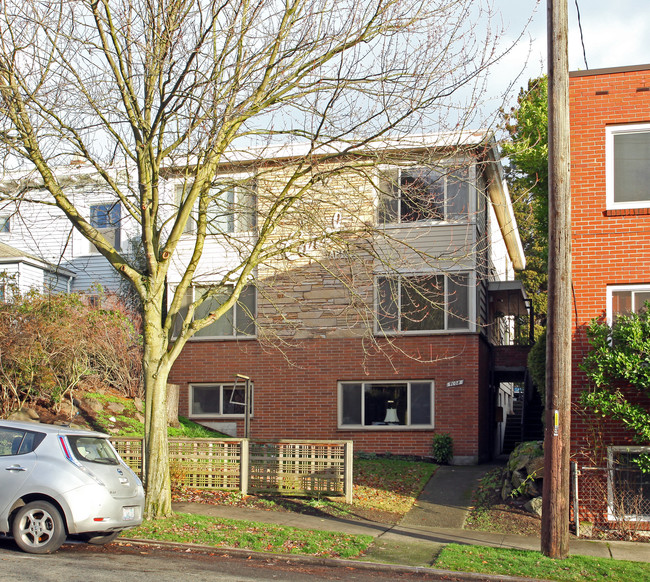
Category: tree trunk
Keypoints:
(172, 405)
(156, 456)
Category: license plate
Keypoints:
(128, 513)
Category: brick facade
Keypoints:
(296, 389)
(610, 247)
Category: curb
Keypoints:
(327, 562)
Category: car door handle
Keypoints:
(15, 468)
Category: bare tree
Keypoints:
(158, 97)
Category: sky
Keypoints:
(616, 33)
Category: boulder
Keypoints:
(24, 414)
(115, 407)
(534, 506)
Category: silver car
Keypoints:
(57, 481)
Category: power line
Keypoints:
(582, 39)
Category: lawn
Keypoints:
(260, 537)
(530, 564)
(384, 490)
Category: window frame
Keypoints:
(237, 222)
(116, 228)
(611, 132)
(611, 511)
(445, 170)
(233, 310)
(471, 303)
(374, 427)
(634, 287)
(221, 386)
(5, 223)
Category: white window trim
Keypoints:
(610, 132)
(104, 231)
(234, 336)
(473, 193)
(410, 427)
(190, 227)
(610, 290)
(221, 385)
(611, 514)
(471, 328)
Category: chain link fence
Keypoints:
(612, 502)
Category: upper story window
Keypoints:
(231, 208)
(414, 194)
(628, 166)
(5, 224)
(423, 303)
(106, 219)
(626, 299)
(239, 321)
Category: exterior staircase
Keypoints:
(525, 422)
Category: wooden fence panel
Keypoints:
(255, 466)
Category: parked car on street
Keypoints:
(57, 481)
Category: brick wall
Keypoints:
(609, 248)
(296, 387)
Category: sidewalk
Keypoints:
(435, 520)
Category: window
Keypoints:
(218, 400)
(415, 194)
(106, 219)
(628, 487)
(628, 166)
(626, 299)
(423, 303)
(231, 208)
(386, 404)
(14, 441)
(5, 224)
(237, 322)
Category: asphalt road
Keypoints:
(83, 563)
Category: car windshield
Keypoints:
(93, 449)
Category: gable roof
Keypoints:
(9, 255)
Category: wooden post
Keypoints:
(555, 507)
(347, 469)
(244, 465)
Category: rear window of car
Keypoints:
(93, 449)
(14, 441)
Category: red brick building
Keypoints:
(337, 345)
(610, 189)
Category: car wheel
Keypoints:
(38, 528)
(99, 539)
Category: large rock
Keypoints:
(534, 506)
(24, 414)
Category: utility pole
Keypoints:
(555, 508)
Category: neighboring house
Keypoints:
(391, 333)
(610, 215)
(22, 272)
(44, 232)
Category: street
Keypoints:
(83, 563)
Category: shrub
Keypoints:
(51, 345)
(443, 448)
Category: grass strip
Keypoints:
(260, 537)
(486, 560)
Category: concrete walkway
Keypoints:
(436, 520)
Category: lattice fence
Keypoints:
(272, 466)
(296, 468)
(611, 501)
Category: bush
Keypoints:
(51, 345)
(443, 448)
